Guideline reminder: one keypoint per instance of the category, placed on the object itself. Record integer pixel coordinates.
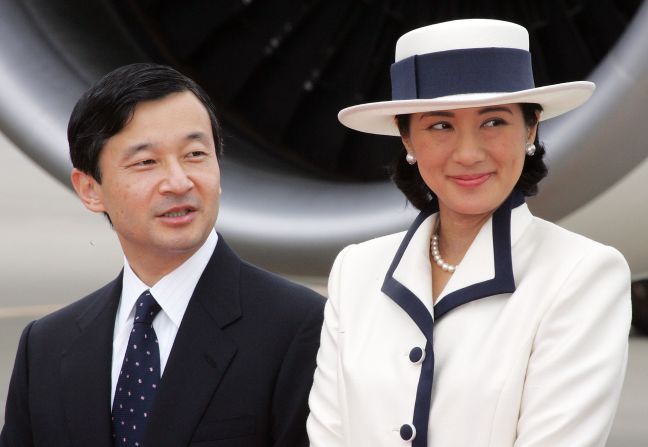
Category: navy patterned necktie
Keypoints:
(139, 377)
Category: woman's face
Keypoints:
(470, 158)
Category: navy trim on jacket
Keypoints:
(502, 282)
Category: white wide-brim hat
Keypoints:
(461, 64)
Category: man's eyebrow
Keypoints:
(135, 148)
(495, 109)
(197, 135)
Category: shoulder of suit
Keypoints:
(566, 242)
(74, 310)
(383, 242)
(52, 331)
(256, 279)
(379, 249)
(549, 246)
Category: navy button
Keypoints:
(407, 432)
(417, 355)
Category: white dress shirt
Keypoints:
(172, 292)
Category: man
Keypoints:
(189, 345)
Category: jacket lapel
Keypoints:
(85, 371)
(201, 352)
(485, 270)
(487, 267)
(407, 281)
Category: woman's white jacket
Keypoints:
(526, 346)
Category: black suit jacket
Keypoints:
(239, 372)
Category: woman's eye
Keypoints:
(440, 126)
(494, 122)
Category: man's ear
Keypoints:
(89, 190)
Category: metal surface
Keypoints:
(273, 214)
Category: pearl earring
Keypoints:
(530, 149)
(411, 159)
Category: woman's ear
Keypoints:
(408, 144)
(407, 141)
(533, 131)
(88, 189)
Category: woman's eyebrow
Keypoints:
(495, 109)
(438, 113)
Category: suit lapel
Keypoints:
(402, 283)
(85, 371)
(201, 352)
(486, 269)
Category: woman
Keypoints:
(482, 325)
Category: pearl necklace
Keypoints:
(436, 255)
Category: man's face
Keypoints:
(160, 179)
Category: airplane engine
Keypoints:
(297, 185)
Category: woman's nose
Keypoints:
(468, 149)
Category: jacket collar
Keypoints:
(485, 270)
(201, 353)
(85, 370)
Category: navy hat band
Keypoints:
(453, 72)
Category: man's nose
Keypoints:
(176, 180)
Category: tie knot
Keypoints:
(146, 308)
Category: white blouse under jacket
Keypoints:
(526, 346)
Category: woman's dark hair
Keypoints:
(108, 105)
(408, 178)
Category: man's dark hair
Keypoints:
(105, 109)
(408, 178)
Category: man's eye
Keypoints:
(196, 153)
(145, 162)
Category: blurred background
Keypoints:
(297, 185)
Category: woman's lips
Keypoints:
(470, 180)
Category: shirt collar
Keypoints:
(173, 291)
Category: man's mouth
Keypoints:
(177, 213)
